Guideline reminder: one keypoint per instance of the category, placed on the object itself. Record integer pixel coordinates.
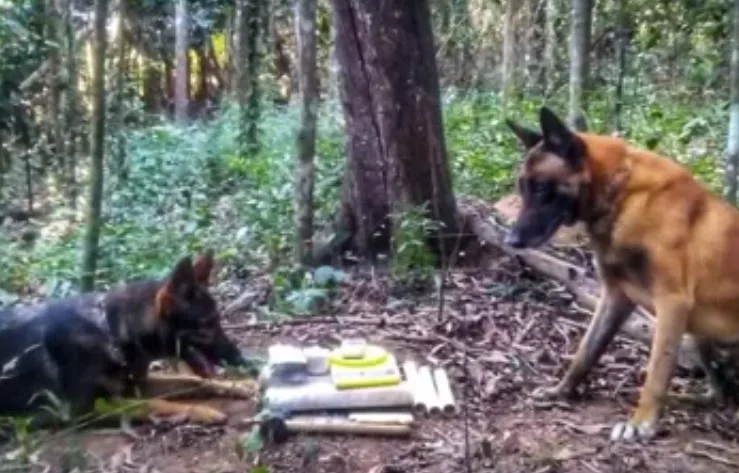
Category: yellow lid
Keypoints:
(373, 356)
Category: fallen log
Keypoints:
(639, 326)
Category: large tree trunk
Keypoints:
(390, 93)
(97, 145)
(305, 31)
(579, 52)
(182, 72)
(732, 145)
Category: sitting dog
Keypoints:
(661, 240)
(100, 345)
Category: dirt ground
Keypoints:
(507, 318)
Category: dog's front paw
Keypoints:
(642, 425)
(633, 431)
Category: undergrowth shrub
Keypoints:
(188, 188)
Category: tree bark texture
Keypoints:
(182, 73)
(248, 21)
(305, 31)
(732, 145)
(621, 47)
(54, 31)
(550, 45)
(508, 64)
(389, 89)
(70, 100)
(582, 11)
(121, 78)
(97, 150)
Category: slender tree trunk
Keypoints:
(215, 68)
(463, 47)
(305, 31)
(535, 45)
(203, 71)
(70, 100)
(579, 51)
(182, 73)
(240, 67)
(457, 31)
(97, 148)
(282, 64)
(229, 63)
(527, 33)
(256, 20)
(153, 88)
(390, 93)
(508, 65)
(550, 45)
(732, 145)
(621, 47)
(120, 86)
(248, 22)
(57, 140)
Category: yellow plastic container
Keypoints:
(376, 368)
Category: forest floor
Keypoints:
(515, 342)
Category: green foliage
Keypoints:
(484, 153)
(297, 291)
(413, 262)
(187, 189)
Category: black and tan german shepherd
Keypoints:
(660, 238)
(100, 345)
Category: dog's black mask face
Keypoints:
(202, 342)
(544, 210)
(551, 182)
(193, 317)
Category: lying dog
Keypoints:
(100, 345)
(660, 239)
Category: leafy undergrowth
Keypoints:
(189, 188)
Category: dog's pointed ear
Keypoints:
(555, 131)
(559, 138)
(179, 283)
(528, 137)
(203, 267)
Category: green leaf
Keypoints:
(250, 443)
(327, 275)
(307, 300)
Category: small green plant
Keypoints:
(300, 291)
(413, 262)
